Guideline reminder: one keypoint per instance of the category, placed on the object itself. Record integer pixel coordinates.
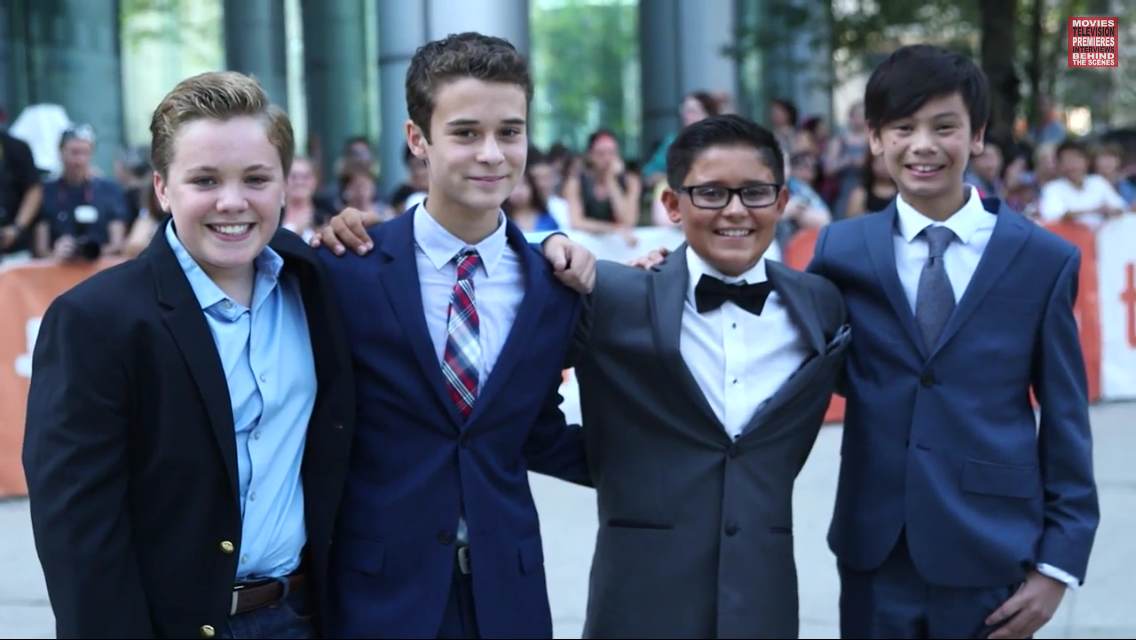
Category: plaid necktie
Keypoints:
(463, 348)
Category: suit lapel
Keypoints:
(400, 282)
(802, 310)
(668, 296)
(879, 232)
(183, 316)
(525, 323)
(1009, 235)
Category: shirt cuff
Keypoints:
(538, 237)
(1051, 571)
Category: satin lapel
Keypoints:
(185, 320)
(521, 334)
(668, 295)
(803, 312)
(879, 232)
(399, 278)
(1010, 233)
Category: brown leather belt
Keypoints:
(252, 596)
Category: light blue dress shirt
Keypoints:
(266, 354)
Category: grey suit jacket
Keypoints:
(695, 530)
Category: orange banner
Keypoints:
(26, 291)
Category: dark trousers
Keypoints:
(290, 619)
(894, 601)
(460, 619)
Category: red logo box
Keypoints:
(1094, 42)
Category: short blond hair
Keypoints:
(217, 95)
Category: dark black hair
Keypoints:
(915, 74)
(789, 108)
(1072, 144)
(722, 131)
(600, 133)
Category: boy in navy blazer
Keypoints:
(958, 513)
(459, 330)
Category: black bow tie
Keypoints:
(712, 292)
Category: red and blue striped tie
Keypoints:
(463, 347)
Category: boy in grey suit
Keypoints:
(703, 385)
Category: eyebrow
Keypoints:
(468, 122)
(211, 169)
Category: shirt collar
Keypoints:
(698, 267)
(440, 246)
(267, 264)
(965, 222)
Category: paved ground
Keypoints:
(1102, 608)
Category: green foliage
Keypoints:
(585, 61)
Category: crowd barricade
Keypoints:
(26, 290)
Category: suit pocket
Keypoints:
(531, 556)
(1009, 481)
(626, 523)
(362, 555)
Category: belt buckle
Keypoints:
(233, 602)
(463, 560)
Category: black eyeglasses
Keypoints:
(754, 195)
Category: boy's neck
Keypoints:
(469, 225)
(941, 208)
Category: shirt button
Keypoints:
(227, 304)
(252, 496)
(256, 435)
(735, 381)
(733, 325)
(731, 529)
(263, 378)
(244, 559)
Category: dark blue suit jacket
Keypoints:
(417, 465)
(944, 444)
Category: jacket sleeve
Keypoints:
(77, 462)
(1064, 437)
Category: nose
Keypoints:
(490, 151)
(231, 199)
(734, 206)
(921, 141)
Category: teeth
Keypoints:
(924, 167)
(231, 229)
(733, 233)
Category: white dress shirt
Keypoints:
(1061, 196)
(498, 285)
(973, 225)
(738, 359)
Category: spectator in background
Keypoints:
(805, 208)
(527, 208)
(875, 191)
(1045, 164)
(546, 177)
(1077, 195)
(149, 220)
(783, 116)
(301, 215)
(132, 172)
(1107, 163)
(356, 152)
(413, 191)
(1052, 129)
(82, 215)
(604, 198)
(846, 157)
(695, 106)
(985, 171)
(357, 187)
(1019, 185)
(20, 194)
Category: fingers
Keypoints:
(1008, 609)
(1023, 625)
(583, 263)
(358, 240)
(330, 238)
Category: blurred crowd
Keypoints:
(73, 212)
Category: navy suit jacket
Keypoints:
(943, 443)
(418, 466)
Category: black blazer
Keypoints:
(130, 453)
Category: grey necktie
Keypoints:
(935, 299)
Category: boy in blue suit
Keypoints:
(459, 330)
(958, 513)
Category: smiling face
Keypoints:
(926, 153)
(224, 188)
(477, 147)
(734, 238)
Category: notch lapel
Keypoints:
(399, 278)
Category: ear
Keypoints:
(160, 191)
(669, 198)
(875, 142)
(782, 201)
(977, 143)
(416, 139)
